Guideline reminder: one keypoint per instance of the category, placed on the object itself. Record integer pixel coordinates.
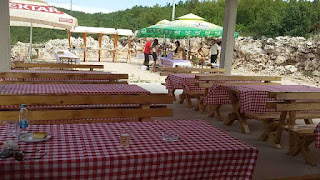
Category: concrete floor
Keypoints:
(272, 163)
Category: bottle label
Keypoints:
(24, 124)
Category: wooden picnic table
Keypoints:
(26, 66)
(67, 102)
(60, 77)
(252, 99)
(93, 151)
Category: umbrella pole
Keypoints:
(85, 47)
(100, 39)
(30, 45)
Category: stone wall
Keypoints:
(279, 56)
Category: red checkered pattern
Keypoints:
(253, 98)
(58, 72)
(15, 89)
(83, 151)
(71, 89)
(317, 136)
(182, 81)
(217, 96)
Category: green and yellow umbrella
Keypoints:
(186, 26)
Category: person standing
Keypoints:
(214, 52)
(147, 52)
(154, 54)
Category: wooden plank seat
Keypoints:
(290, 107)
(86, 108)
(26, 66)
(52, 77)
(167, 71)
(206, 82)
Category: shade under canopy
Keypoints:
(40, 14)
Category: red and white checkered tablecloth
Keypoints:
(253, 98)
(20, 89)
(60, 72)
(92, 151)
(217, 96)
(182, 81)
(16, 89)
(317, 136)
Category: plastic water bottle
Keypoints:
(23, 119)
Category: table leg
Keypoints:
(202, 106)
(236, 111)
(269, 126)
(188, 100)
(210, 111)
(182, 97)
(216, 112)
(197, 108)
(275, 137)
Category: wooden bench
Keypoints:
(207, 81)
(26, 66)
(167, 71)
(292, 106)
(86, 108)
(305, 177)
(61, 78)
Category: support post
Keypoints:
(129, 50)
(99, 39)
(85, 47)
(115, 44)
(229, 24)
(4, 36)
(69, 38)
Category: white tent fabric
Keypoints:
(125, 32)
(190, 16)
(93, 30)
(40, 14)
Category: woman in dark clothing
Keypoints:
(154, 48)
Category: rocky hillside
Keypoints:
(290, 56)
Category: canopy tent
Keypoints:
(37, 13)
(144, 32)
(100, 31)
(186, 26)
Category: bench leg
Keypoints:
(188, 101)
(146, 119)
(301, 144)
(197, 108)
(182, 97)
(216, 112)
(231, 118)
(269, 126)
(171, 93)
(275, 137)
(202, 106)
(210, 111)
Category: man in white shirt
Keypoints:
(214, 52)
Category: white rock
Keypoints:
(280, 59)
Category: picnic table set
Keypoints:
(81, 151)
(244, 98)
(128, 149)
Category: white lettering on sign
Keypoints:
(30, 7)
(66, 20)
